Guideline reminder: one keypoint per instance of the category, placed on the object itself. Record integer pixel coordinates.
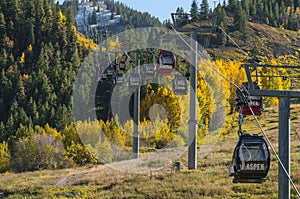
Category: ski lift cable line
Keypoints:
(277, 156)
(245, 53)
(237, 87)
(126, 53)
(212, 67)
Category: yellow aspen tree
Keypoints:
(22, 58)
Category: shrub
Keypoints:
(79, 154)
(176, 142)
(4, 157)
(38, 152)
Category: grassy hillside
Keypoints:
(210, 180)
(264, 42)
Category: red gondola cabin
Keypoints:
(166, 62)
(255, 102)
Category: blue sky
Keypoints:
(160, 8)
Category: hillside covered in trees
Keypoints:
(247, 29)
(276, 13)
(131, 17)
(41, 53)
(92, 16)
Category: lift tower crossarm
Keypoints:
(284, 126)
(269, 93)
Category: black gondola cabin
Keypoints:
(110, 71)
(251, 159)
(103, 32)
(122, 65)
(119, 78)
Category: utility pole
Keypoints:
(136, 113)
(193, 124)
(192, 149)
(136, 107)
(284, 126)
(284, 147)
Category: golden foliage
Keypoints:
(88, 44)
(165, 98)
(9, 43)
(22, 58)
(282, 26)
(29, 48)
(272, 79)
(10, 69)
(4, 157)
(25, 77)
(234, 71)
(115, 45)
(47, 130)
(74, 29)
(103, 49)
(62, 20)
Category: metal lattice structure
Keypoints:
(284, 97)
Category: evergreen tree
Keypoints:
(246, 6)
(221, 16)
(112, 16)
(204, 10)
(232, 5)
(224, 4)
(253, 7)
(194, 11)
(240, 22)
(221, 36)
(39, 58)
(182, 18)
(2, 26)
(238, 17)
(276, 12)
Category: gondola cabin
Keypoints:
(166, 62)
(102, 78)
(251, 159)
(110, 71)
(122, 65)
(150, 69)
(134, 80)
(104, 34)
(119, 78)
(180, 85)
(255, 102)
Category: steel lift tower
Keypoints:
(284, 125)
